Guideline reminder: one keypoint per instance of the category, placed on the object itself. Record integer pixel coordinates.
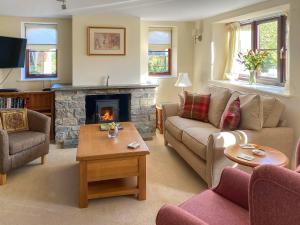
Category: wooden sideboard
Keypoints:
(40, 101)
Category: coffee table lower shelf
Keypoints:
(111, 188)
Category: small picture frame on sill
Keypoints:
(106, 41)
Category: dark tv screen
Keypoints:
(12, 52)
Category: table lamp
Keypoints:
(183, 81)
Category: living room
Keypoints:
(149, 112)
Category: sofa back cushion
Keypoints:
(195, 106)
(231, 116)
(218, 101)
(251, 111)
(273, 109)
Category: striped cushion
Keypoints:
(195, 106)
(231, 116)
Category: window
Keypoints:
(41, 52)
(160, 51)
(266, 35)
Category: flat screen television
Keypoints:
(12, 52)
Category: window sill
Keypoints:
(37, 79)
(161, 76)
(262, 88)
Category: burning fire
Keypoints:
(107, 116)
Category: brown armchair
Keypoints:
(19, 148)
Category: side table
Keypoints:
(272, 156)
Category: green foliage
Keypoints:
(158, 64)
(253, 60)
(268, 33)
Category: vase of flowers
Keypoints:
(113, 130)
(253, 62)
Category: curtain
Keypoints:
(232, 46)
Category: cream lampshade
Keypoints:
(183, 81)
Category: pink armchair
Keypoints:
(271, 196)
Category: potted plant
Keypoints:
(113, 130)
(253, 61)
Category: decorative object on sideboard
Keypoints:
(183, 81)
(106, 41)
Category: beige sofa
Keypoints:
(202, 145)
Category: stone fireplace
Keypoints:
(75, 106)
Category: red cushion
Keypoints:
(195, 106)
(231, 116)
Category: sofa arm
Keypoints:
(38, 122)
(280, 138)
(174, 215)
(234, 186)
(274, 196)
(169, 110)
(4, 152)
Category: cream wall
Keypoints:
(182, 57)
(92, 70)
(212, 59)
(11, 26)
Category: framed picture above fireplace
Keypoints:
(106, 41)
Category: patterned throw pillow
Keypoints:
(195, 106)
(231, 116)
(14, 120)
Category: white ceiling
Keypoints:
(146, 9)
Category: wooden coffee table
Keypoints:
(107, 167)
(272, 156)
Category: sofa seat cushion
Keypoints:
(176, 124)
(215, 210)
(23, 140)
(196, 138)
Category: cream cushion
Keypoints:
(251, 111)
(272, 109)
(218, 101)
(196, 138)
(175, 125)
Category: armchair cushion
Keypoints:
(215, 209)
(20, 141)
(14, 120)
(174, 215)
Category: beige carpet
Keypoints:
(48, 194)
